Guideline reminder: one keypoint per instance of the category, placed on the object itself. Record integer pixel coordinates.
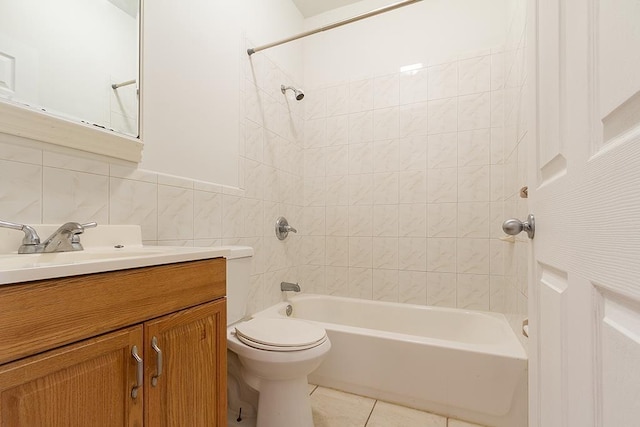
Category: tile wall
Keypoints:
(404, 185)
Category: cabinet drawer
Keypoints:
(42, 315)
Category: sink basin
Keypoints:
(100, 254)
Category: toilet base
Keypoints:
(284, 403)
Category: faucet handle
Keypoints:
(31, 238)
(75, 239)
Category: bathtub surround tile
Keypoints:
(413, 153)
(20, 192)
(473, 256)
(442, 150)
(17, 150)
(388, 415)
(443, 80)
(337, 251)
(474, 75)
(473, 292)
(386, 156)
(442, 185)
(473, 219)
(337, 100)
(360, 158)
(412, 221)
(413, 86)
(474, 148)
(441, 255)
(337, 281)
(441, 289)
(412, 287)
(332, 408)
(70, 195)
(386, 123)
(386, 91)
(337, 191)
(360, 221)
(385, 188)
(443, 115)
(442, 219)
(361, 189)
(337, 130)
(385, 220)
(474, 111)
(413, 119)
(360, 283)
(337, 160)
(360, 252)
(413, 187)
(385, 252)
(412, 253)
(361, 95)
(385, 285)
(474, 184)
(337, 220)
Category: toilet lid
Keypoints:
(280, 334)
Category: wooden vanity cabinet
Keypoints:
(84, 375)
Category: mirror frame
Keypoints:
(36, 124)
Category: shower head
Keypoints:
(298, 93)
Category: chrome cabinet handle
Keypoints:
(139, 372)
(514, 226)
(154, 346)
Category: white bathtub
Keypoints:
(460, 363)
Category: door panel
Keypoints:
(585, 283)
(192, 388)
(85, 384)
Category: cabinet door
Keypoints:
(191, 390)
(84, 384)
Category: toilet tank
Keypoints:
(238, 280)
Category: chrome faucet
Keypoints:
(64, 239)
(286, 286)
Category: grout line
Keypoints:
(370, 413)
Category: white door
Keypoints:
(584, 289)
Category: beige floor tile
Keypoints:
(458, 423)
(388, 415)
(332, 408)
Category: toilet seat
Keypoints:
(275, 334)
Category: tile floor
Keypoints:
(333, 408)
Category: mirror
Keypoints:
(72, 66)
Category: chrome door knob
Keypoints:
(514, 226)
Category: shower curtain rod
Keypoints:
(398, 5)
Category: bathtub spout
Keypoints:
(286, 286)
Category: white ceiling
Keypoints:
(310, 8)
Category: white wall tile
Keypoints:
(337, 100)
(175, 213)
(413, 119)
(337, 130)
(473, 256)
(337, 281)
(135, 202)
(443, 80)
(442, 150)
(441, 289)
(412, 221)
(20, 192)
(473, 292)
(474, 184)
(361, 127)
(386, 156)
(337, 190)
(474, 148)
(412, 253)
(337, 220)
(75, 163)
(385, 220)
(386, 91)
(386, 123)
(360, 283)
(413, 153)
(442, 185)
(473, 219)
(337, 251)
(361, 95)
(385, 285)
(412, 287)
(474, 111)
(413, 86)
(443, 115)
(361, 189)
(360, 158)
(441, 255)
(360, 220)
(474, 75)
(442, 219)
(74, 196)
(385, 252)
(385, 188)
(413, 187)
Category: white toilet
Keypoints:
(275, 355)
